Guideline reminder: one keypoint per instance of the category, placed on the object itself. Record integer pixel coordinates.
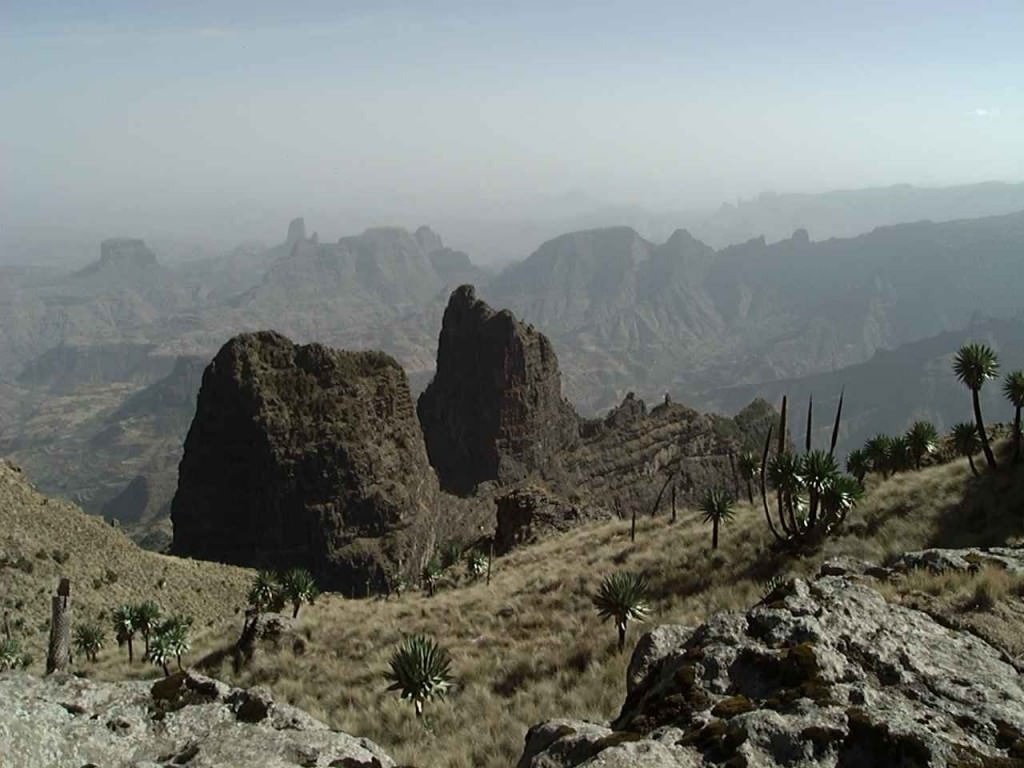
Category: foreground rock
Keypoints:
(307, 456)
(825, 673)
(183, 720)
(494, 410)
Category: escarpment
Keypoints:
(494, 410)
(306, 456)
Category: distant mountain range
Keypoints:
(99, 366)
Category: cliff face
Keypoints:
(306, 456)
(494, 410)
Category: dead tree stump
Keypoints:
(58, 656)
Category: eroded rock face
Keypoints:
(185, 719)
(494, 410)
(126, 252)
(528, 514)
(306, 456)
(825, 673)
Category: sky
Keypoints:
(201, 117)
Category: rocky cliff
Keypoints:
(185, 719)
(305, 455)
(494, 410)
(821, 673)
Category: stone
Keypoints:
(826, 673)
(125, 252)
(119, 724)
(296, 231)
(651, 648)
(306, 456)
(528, 514)
(494, 410)
(963, 560)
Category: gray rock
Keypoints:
(652, 648)
(825, 673)
(938, 560)
(64, 720)
(528, 514)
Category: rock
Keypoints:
(306, 456)
(125, 252)
(494, 410)
(528, 514)
(826, 673)
(652, 647)
(296, 231)
(965, 560)
(627, 413)
(65, 720)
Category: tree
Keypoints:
(922, 439)
(431, 573)
(420, 670)
(717, 507)
(297, 587)
(265, 592)
(748, 467)
(170, 641)
(88, 640)
(476, 564)
(125, 628)
(819, 470)
(858, 464)
(622, 597)
(900, 454)
(966, 442)
(784, 474)
(147, 615)
(973, 365)
(841, 495)
(1013, 390)
(878, 451)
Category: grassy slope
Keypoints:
(530, 647)
(105, 567)
(527, 647)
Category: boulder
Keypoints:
(528, 514)
(824, 673)
(494, 410)
(187, 719)
(306, 456)
(964, 560)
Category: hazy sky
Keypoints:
(195, 114)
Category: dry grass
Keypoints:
(42, 540)
(529, 646)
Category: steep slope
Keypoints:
(529, 646)
(42, 539)
(92, 435)
(895, 387)
(634, 315)
(308, 456)
(494, 410)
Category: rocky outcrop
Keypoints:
(185, 719)
(494, 410)
(528, 514)
(296, 231)
(307, 456)
(821, 673)
(125, 252)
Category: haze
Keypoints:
(221, 120)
